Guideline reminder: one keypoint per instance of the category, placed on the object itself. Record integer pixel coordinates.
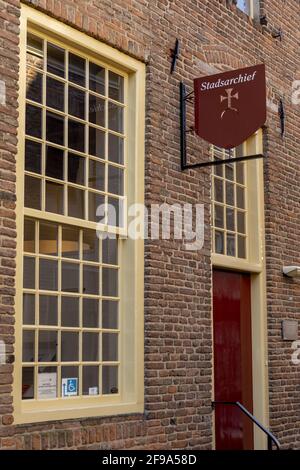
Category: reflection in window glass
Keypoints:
(48, 309)
(109, 380)
(90, 384)
(28, 345)
(69, 346)
(76, 69)
(115, 180)
(70, 242)
(90, 246)
(96, 175)
(110, 250)
(28, 309)
(48, 244)
(75, 202)
(47, 346)
(27, 383)
(55, 60)
(48, 274)
(76, 102)
(33, 121)
(90, 346)
(35, 51)
(115, 117)
(115, 149)
(32, 192)
(90, 313)
(29, 236)
(55, 94)
(54, 198)
(55, 128)
(76, 135)
(110, 282)
(69, 277)
(91, 279)
(97, 110)
(70, 311)
(28, 272)
(33, 152)
(76, 169)
(116, 87)
(97, 78)
(34, 86)
(110, 314)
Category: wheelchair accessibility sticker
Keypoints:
(69, 387)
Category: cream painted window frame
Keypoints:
(254, 185)
(131, 396)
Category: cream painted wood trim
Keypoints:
(131, 397)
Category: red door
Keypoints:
(232, 358)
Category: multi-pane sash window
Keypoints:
(74, 162)
(250, 7)
(75, 131)
(229, 201)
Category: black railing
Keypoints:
(271, 438)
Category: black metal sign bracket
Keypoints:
(188, 97)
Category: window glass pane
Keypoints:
(115, 117)
(240, 173)
(230, 243)
(115, 180)
(29, 236)
(55, 60)
(218, 188)
(70, 277)
(76, 69)
(32, 192)
(241, 247)
(54, 197)
(116, 87)
(76, 169)
(91, 280)
(48, 310)
(90, 346)
(55, 93)
(76, 135)
(48, 274)
(48, 238)
(28, 273)
(54, 162)
(110, 250)
(96, 142)
(219, 216)
(240, 197)
(90, 313)
(97, 78)
(34, 85)
(33, 156)
(229, 171)
(230, 222)
(35, 53)
(244, 5)
(110, 314)
(47, 383)
(90, 245)
(110, 282)
(109, 346)
(96, 175)
(241, 226)
(115, 149)
(33, 121)
(95, 200)
(70, 372)
(115, 212)
(28, 309)
(75, 202)
(219, 242)
(47, 346)
(97, 110)
(27, 383)
(70, 311)
(70, 242)
(90, 384)
(28, 345)
(55, 128)
(109, 380)
(229, 194)
(76, 102)
(69, 346)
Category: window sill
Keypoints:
(51, 410)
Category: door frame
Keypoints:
(255, 265)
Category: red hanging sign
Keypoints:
(230, 106)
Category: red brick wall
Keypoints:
(178, 369)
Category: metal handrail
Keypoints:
(271, 438)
